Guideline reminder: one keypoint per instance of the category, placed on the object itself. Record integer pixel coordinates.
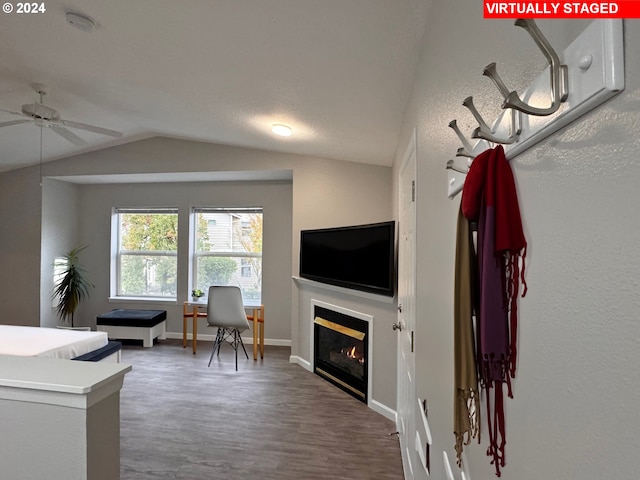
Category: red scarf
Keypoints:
(489, 198)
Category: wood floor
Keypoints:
(270, 420)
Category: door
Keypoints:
(405, 325)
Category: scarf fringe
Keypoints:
(493, 387)
(514, 275)
(471, 399)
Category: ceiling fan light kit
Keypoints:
(40, 112)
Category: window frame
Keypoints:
(195, 254)
(117, 252)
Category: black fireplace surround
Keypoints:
(341, 351)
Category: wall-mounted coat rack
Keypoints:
(586, 74)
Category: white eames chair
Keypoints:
(225, 311)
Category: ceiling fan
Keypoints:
(44, 116)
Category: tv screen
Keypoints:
(360, 257)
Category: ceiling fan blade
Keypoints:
(91, 128)
(13, 122)
(12, 112)
(72, 137)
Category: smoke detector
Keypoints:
(80, 21)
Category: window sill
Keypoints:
(142, 300)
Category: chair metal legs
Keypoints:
(236, 340)
(242, 343)
(216, 344)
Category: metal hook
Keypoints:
(455, 176)
(491, 72)
(466, 149)
(516, 123)
(483, 131)
(462, 152)
(451, 166)
(559, 75)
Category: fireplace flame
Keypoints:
(353, 354)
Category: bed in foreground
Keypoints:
(57, 343)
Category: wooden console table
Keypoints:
(192, 310)
(195, 310)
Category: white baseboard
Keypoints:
(382, 410)
(373, 404)
(301, 361)
(276, 342)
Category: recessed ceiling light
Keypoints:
(282, 130)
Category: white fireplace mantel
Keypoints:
(376, 309)
(346, 291)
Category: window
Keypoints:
(227, 250)
(245, 267)
(146, 253)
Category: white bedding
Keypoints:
(48, 342)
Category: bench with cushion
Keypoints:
(132, 324)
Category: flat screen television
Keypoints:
(361, 257)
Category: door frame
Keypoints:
(406, 307)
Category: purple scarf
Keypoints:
(489, 197)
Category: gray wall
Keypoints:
(335, 194)
(20, 216)
(574, 412)
(96, 203)
(59, 235)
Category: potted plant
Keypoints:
(71, 287)
(196, 294)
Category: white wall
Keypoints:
(574, 412)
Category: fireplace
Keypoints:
(341, 350)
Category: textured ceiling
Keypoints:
(339, 72)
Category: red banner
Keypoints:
(586, 10)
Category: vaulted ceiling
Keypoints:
(338, 72)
